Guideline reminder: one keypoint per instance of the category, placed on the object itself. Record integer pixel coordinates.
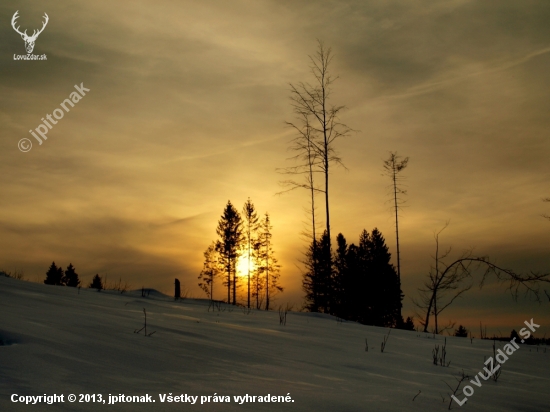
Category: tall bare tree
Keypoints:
(323, 118)
(392, 167)
(308, 163)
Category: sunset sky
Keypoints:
(187, 109)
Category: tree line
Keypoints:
(244, 242)
(57, 276)
(68, 277)
(355, 282)
(317, 127)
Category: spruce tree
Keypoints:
(461, 332)
(258, 281)
(211, 269)
(352, 291)
(363, 283)
(310, 284)
(54, 275)
(250, 220)
(96, 283)
(229, 247)
(340, 274)
(365, 286)
(71, 277)
(269, 268)
(317, 279)
(408, 324)
(386, 300)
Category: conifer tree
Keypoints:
(250, 221)
(409, 324)
(96, 283)
(269, 268)
(71, 277)
(258, 280)
(229, 247)
(386, 300)
(54, 275)
(310, 284)
(362, 285)
(461, 332)
(340, 273)
(363, 281)
(317, 280)
(211, 269)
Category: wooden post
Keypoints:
(177, 291)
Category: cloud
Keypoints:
(187, 109)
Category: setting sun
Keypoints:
(242, 265)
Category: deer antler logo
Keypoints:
(29, 40)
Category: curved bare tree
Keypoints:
(447, 282)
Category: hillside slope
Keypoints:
(59, 341)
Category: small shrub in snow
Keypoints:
(216, 305)
(497, 373)
(144, 326)
(440, 358)
(460, 379)
(383, 346)
(282, 314)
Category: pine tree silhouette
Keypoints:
(229, 247)
(54, 275)
(461, 332)
(71, 277)
(361, 284)
(96, 283)
(317, 280)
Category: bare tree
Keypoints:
(308, 165)
(313, 102)
(392, 167)
(434, 295)
(447, 282)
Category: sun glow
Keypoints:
(242, 265)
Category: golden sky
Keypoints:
(186, 111)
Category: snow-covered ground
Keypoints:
(59, 341)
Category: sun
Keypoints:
(242, 265)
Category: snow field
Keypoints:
(59, 341)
